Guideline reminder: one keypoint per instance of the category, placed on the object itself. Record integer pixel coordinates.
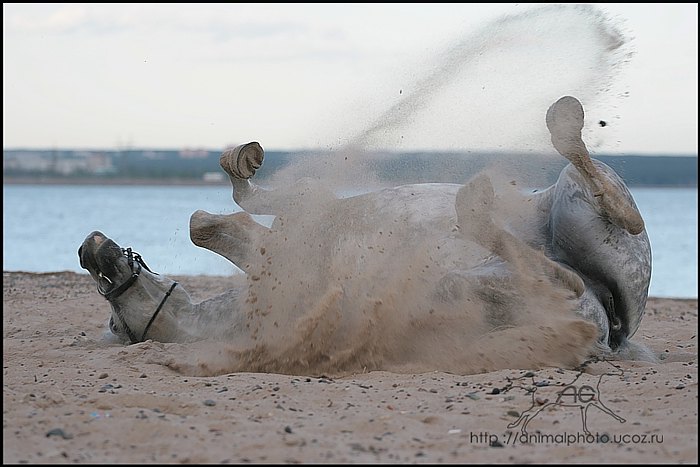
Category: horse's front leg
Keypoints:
(242, 162)
(234, 236)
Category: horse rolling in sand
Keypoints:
(421, 277)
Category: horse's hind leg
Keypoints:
(475, 207)
(234, 236)
(565, 121)
(596, 228)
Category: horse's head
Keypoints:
(144, 304)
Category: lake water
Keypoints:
(43, 226)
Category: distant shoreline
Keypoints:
(110, 181)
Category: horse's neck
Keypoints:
(217, 316)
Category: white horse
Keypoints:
(417, 277)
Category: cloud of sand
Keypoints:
(346, 290)
(337, 291)
(488, 91)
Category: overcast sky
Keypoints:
(296, 76)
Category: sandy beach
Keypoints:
(70, 398)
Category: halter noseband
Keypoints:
(136, 263)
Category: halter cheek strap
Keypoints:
(135, 263)
(153, 318)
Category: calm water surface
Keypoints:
(43, 226)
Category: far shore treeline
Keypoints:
(202, 166)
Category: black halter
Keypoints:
(135, 264)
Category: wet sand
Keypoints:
(69, 398)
